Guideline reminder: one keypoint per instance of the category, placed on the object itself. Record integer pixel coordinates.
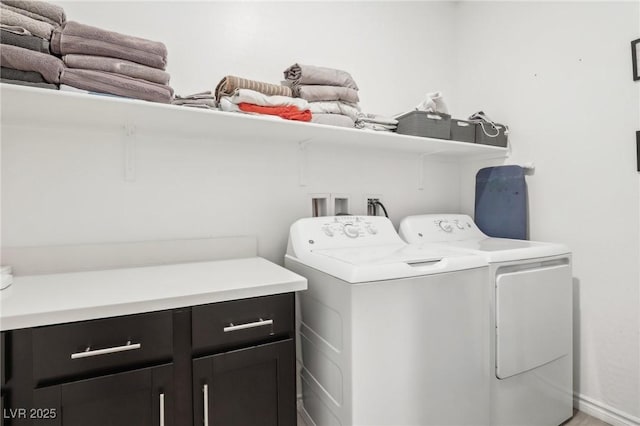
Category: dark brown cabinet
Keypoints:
(156, 368)
(251, 386)
(141, 397)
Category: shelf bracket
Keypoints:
(303, 161)
(129, 144)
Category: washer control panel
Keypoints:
(317, 233)
(349, 227)
(439, 228)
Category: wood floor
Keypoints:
(579, 419)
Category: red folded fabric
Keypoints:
(288, 112)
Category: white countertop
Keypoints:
(39, 300)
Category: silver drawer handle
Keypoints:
(88, 352)
(205, 391)
(259, 323)
(161, 409)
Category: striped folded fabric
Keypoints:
(230, 83)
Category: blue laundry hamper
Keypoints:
(501, 202)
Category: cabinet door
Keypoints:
(252, 386)
(140, 397)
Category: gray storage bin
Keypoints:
(495, 136)
(426, 124)
(463, 131)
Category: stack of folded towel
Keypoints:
(26, 28)
(104, 61)
(243, 95)
(205, 100)
(332, 94)
(378, 122)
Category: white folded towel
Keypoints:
(434, 102)
(252, 97)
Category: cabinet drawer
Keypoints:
(101, 346)
(242, 322)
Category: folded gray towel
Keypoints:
(118, 66)
(30, 76)
(29, 60)
(199, 103)
(332, 120)
(88, 40)
(311, 74)
(116, 84)
(206, 99)
(35, 27)
(50, 11)
(55, 40)
(207, 94)
(30, 14)
(326, 93)
(28, 83)
(14, 29)
(25, 41)
(377, 119)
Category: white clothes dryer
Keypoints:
(390, 334)
(531, 317)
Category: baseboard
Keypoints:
(604, 412)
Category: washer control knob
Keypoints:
(372, 229)
(351, 231)
(445, 226)
(459, 225)
(328, 231)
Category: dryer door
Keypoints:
(533, 318)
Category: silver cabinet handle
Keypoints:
(161, 409)
(205, 391)
(259, 323)
(88, 352)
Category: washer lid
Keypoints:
(382, 255)
(388, 262)
(506, 250)
(458, 231)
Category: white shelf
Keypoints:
(26, 106)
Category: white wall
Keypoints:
(65, 186)
(382, 44)
(560, 75)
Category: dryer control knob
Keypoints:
(459, 225)
(372, 229)
(351, 231)
(328, 231)
(445, 226)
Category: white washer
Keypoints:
(531, 317)
(390, 334)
